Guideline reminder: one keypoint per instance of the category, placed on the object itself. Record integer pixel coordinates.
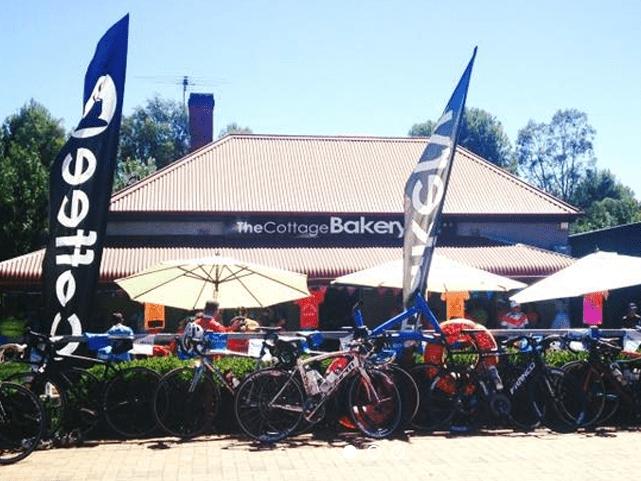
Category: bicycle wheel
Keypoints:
(408, 390)
(424, 375)
(453, 402)
(375, 404)
(568, 401)
(128, 402)
(527, 406)
(83, 410)
(186, 402)
(470, 411)
(50, 395)
(594, 391)
(22, 422)
(269, 405)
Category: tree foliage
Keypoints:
(605, 201)
(234, 128)
(481, 132)
(157, 131)
(29, 143)
(556, 156)
(424, 129)
(129, 171)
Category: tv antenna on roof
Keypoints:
(187, 82)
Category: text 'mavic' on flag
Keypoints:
(80, 186)
(425, 190)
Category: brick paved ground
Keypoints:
(540, 456)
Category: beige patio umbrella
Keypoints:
(445, 275)
(598, 272)
(189, 284)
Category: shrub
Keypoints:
(8, 369)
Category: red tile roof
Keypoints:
(276, 173)
(519, 261)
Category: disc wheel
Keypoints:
(22, 422)
(269, 405)
(128, 402)
(375, 404)
(185, 405)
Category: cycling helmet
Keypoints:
(189, 341)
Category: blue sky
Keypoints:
(346, 67)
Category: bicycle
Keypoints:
(75, 400)
(187, 400)
(22, 422)
(417, 381)
(607, 382)
(538, 393)
(271, 403)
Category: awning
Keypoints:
(517, 261)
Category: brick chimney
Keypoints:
(201, 119)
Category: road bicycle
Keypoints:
(22, 422)
(610, 384)
(414, 382)
(460, 394)
(187, 399)
(271, 404)
(75, 400)
(521, 391)
(538, 393)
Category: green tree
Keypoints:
(159, 130)
(424, 129)
(129, 171)
(605, 201)
(481, 132)
(29, 143)
(234, 128)
(556, 156)
(608, 213)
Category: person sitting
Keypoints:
(515, 318)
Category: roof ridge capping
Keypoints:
(337, 138)
(517, 180)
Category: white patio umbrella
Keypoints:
(189, 284)
(445, 275)
(601, 271)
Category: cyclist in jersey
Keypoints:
(514, 318)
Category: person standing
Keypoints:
(631, 319)
(209, 319)
(515, 318)
(117, 351)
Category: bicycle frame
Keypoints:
(604, 370)
(356, 365)
(204, 362)
(420, 307)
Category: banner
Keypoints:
(425, 190)
(80, 189)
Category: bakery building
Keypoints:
(321, 205)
